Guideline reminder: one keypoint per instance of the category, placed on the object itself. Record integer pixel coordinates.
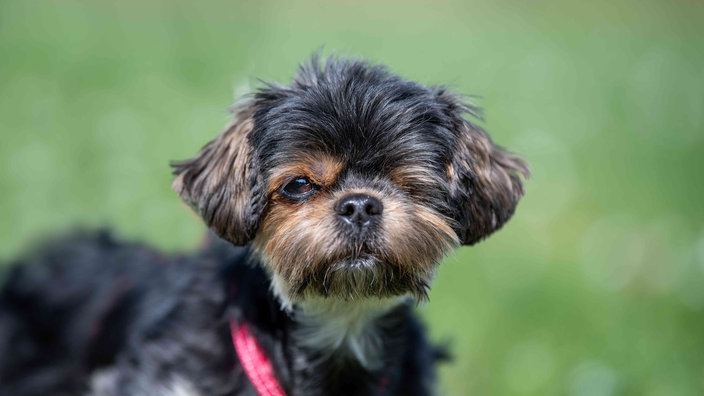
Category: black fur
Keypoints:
(90, 304)
(89, 315)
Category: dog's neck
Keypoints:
(334, 328)
(322, 346)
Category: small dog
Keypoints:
(332, 202)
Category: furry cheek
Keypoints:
(416, 237)
(295, 239)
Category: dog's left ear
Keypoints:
(484, 179)
(223, 182)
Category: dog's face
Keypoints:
(351, 182)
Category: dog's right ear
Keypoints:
(223, 182)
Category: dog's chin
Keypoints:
(355, 278)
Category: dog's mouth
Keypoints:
(360, 262)
(362, 275)
(360, 256)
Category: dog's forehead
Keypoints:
(367, 121)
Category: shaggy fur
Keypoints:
(331, 200)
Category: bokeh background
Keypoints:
(595, 288)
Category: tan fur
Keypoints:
(409, 176)
(417, 237)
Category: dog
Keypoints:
(330, 202)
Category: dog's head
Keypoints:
(351, 182)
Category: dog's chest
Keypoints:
(344, 329)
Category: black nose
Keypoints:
(358, 209)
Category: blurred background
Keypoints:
(596, 287)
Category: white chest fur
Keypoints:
(329, 326)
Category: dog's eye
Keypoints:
(298, 188)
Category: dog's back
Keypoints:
(66, 310)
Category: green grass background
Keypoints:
(596, 287)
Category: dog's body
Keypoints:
(346, 189)
(147, 324)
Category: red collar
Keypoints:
(254, 361)
(258, 367)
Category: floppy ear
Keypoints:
(484, 179)
(223, 182)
